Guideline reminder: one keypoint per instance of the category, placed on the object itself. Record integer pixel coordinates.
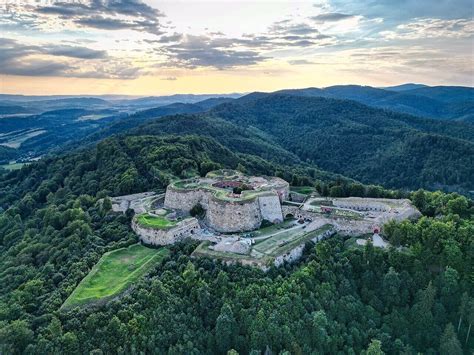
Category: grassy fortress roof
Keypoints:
(223, 183)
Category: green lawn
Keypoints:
(159, 222)
(274, 228)
(305, 190)
(318, 203)
(114, 273)
(274, 246)
(219, 193)
(203, 250)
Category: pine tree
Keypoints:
(450, 344)
(226, 327)
(375, 348)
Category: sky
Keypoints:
(154, 47)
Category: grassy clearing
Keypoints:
(14, 166)
(351, 243)
(94, 117)
(114, 273)
(304, 190)
(318, 203)
(16, 140)
(158, 222)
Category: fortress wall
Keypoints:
(343, 226)
(184, 200)
(284, 192)
(184, 229)
(297, 212)
(297, 252)
(270, 208)
(361, 206)
(233, 216)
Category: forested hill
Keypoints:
(440, 102)
(371, 145)
(54, 228)
(136, 163)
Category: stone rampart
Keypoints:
(270, 208)
(297, 212)
(361, 205)
(184, 200)
(233, 216)
(296, 253)
(154, 236)
(228, 215)
(284, 191)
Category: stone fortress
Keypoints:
(233, 202)
(253, 220)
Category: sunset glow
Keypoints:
(163, 47)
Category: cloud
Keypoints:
(203, 51)
(217, 51)
(12, 48)
(331, 17)
(286, 34)
(107, 14)
(170, 78)
(300, 62)
(73, 52)
(174, 37)
(403, 11)
(408, 63)
(292, 28)
(107, 70)
(107, 23)
(60, 60)
(431, 28)
(33, 67)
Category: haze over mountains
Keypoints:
(400, 137)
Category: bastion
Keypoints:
(232, 201)
(167, 231)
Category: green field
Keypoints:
(114, 273)
(93, 117)
(16, 139)
(158, 222)
(14, 166)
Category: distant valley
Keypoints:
(400, 137)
